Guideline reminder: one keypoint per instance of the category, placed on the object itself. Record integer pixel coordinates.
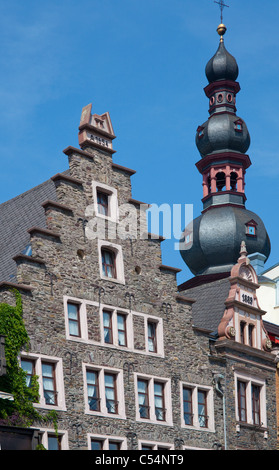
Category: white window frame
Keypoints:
(249, 380)
(101, 383)
(44, 432)
(113, 215)
(209, 403)
(128, 323)
(129, 326)
(106, 439)
(155, 444)
(151, 400)
(59, 380)
(117, 250)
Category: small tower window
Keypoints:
(229, 97)
(200, 132)
(238, 125)
(212, 101)
(220, 180)
(251, 228)
(233, 180)
(220, 97)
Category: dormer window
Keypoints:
(251, 228)
(200, 132)
(238, 125)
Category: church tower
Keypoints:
(212, 247)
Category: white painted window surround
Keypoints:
(209, 404)
(59, 379)
(117, 250)
(129, 315)
(151, 399)
(118, 373)
(250, 380)
(112, 201)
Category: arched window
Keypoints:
(220, 180)
(233, 181)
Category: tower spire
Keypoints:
(222, 6)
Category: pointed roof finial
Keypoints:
(221, 30)
(243, 249)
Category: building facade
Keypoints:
(128, 360)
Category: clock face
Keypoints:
(245, 273)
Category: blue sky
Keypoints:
(143, 61)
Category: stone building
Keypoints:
(127, 359)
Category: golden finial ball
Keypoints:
(221, 30)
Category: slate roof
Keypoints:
(16, 216)
(210, 300)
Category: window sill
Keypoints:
(105, 415)
(197, 428)
(241, 424)
(111, 279)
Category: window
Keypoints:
(200, 132)
(111, 393)
(49, 383)
(49, 371)
(247, 333)
(242, 331)
(28, 366)
(251, 329)
(98, 442)
(105, 201)
(115, 328)
(202, 408)
(159, 401)
(145, 445)
(108, 263)
(121, 329)
(152, 336)
(250, 399)
(104, 391)
(153, 400)
(54, 440)
(256, 417)
(93, 390)
(111, 262)
(220, 180)
(74, 319)
(107, 321)
(187, 406)
(197, 407)
(143, 399)
(238, 125)
(251, 228)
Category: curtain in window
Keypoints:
(110, 391)
(48, 384)
(73, 311)
(159, 401)
(92, 390)
(143, 398)
(121, 330)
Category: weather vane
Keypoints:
(222, 6)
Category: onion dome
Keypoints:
(211, 244)
(222, 132)
(222, 66)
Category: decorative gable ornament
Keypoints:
(95, 130)
(242, 319)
